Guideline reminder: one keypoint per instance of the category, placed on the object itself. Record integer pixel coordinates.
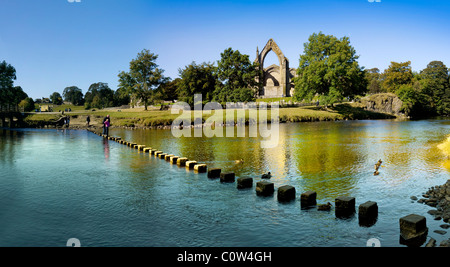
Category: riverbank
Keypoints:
(438, 197)
(163, 119)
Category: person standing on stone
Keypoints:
(107, 125)
(104, 126)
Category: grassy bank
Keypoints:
(154, 117)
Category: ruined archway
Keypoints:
(275, 80)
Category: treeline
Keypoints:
(99, 96)
(231, 80)
(329, 72)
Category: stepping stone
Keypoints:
(214, 173)
(286, 193)
(200, 168)
(264, 188)
(227, 177)
(244, 182)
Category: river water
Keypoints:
(56, 185)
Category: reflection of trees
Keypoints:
(217, 152)
(327, 156)
(9, 141)
(222, 152)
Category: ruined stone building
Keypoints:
(276, 79)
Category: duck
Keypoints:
(325, 207)
(239, 161)
(378, 164)
(266, 175)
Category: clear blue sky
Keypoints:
(54, 43)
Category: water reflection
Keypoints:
(329, 157)
(106, 148)
(8, 140)
(119, 196)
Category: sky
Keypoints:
(54, 44)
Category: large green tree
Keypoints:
(236, 78)
(145, 75)
(396, 75)
(74, 95)
(197, 79)
(435, 84)
(328, 67)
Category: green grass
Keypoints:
(42, 117)
(154, 117)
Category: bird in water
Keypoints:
(239, 161)
(377, 166)
(325, 207)
(266, 175)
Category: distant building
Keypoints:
(46, 108)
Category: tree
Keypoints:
(396, 75)
(122, 95)
(17, 95)
(235, 73)
(374, 81)
(146, 75)
(27, 104)
(410, 99)
(435, 84)
(328, 67)
(196, 79)
(168, 90)
(7, 77)
(99, 95)
(74, 95)
(56, 98)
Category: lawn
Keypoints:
(154, 117)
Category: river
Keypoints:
(61, 184)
